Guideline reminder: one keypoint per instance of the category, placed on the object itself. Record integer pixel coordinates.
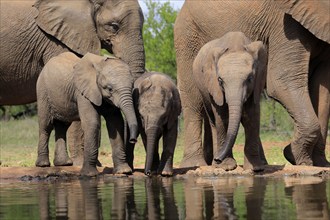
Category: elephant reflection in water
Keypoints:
(77, 200)
(309, 196)
(124, 203)
(82, 200)
(206, 199)
(157, 188)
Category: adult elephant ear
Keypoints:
(313, 15)
(85, 77)
(70, 22)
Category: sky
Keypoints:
(176, 4)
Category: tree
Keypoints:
(158, 37)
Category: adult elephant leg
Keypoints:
(319, 88)
(193, 154)
(254, 157)
(76, 143)
(287, 82)
(61, 157)
(192, 109)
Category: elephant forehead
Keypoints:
(239, 61)
(152, 100)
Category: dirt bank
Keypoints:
(13, 174)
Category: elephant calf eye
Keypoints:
(110, 89)
(220, 81)
(113, 27)
(250, 78)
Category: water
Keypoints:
(168, 198)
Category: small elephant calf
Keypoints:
(157, 103)
(70, 89)
(230, 74)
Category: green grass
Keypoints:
(19, 140)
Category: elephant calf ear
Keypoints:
(258, 51)
(70, 22)
(211, 74)
(85, 79)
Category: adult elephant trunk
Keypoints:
(126, 105)
(235, 112)
(131, 51)
(152, 139)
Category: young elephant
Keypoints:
(71, 89)
(157, 103)
(230, 74)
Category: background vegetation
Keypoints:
(19, 127)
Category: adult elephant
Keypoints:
(297, 38)
(32, 32)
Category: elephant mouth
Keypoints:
(107, 45)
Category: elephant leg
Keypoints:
(61, 157)
(45, 128)
(169, 142)
(91, 125)
(193, 154)
(319, 88)
(287, 82)
(130, 154)
(115, 126)
(75, 138)
(208, 141)
(191, 100)
(254, 157)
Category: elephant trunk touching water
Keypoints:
(153, 136)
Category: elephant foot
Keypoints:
(297, 157)
(319, 158)
(227, 164)
(254, 163)
(43, 161)
(88, 170)
(193, 161)
(63, 161)
(123, 169)
(166, 171)
(77, 161)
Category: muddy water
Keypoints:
(168, 198)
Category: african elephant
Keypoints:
(230, 73)
(70, 89)
(157, 105)
(32, 32)
(296, 35)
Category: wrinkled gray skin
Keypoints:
(71, 89)
(31, 35)
(296, 35)
(230, 73)
(157, 105)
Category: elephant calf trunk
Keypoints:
(133, 133)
